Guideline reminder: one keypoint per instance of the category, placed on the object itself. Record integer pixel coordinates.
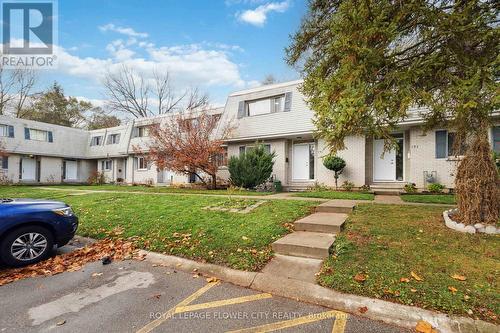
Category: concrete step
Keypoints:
(387, 185)
(387, 191)
(305, 244)
(336, 206)
(297, 268)
(322, 222)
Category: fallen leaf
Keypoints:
(360, 277)
(72, 261)
(423, 327)
(363, 309)
(452, 289)
(466, 297)
(405, 280)
(416, 276)
(195, 276)
(244, 237)
(212, 279)
(60, 323)
(413, 290)
(96, 274)
(459, 277)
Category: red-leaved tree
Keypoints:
(190, 143)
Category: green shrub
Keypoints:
(410, 188)
(336, 164)
(435, 188)
(347, 185)
(251, 168)
(365, 188)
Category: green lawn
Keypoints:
(180, 225)
(386, 243)
(336, 195)
(430, 198)
(160, 189)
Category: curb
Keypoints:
(388, 312)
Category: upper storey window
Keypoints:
(268, 105)
(141, 131)
(113, 139)
(96, 141)
(38, 135)
(273, 104)
(6, 131)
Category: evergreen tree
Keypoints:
(366, 63)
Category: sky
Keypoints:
(220, 46)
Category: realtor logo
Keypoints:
(29, 28)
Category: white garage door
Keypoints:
(71, 170)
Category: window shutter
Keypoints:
(136, 163)
(241, 109)
(51, 136)
(117, 138)
(135, 132)
(11, 131)
(441, 144)
(451, 144)
(272, 106)
(5, 162)
(242, 150)
(288, 102)
(102, 166)
(26, 133)
(108, 140)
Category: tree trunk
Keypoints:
(336, 180)
(477, 184)
(214, 182)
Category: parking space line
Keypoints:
(340, 323)
(214, 304)
(296, 322)
(157, 322)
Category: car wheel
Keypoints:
(26, 245)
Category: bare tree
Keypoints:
(15, 87)
(127, 92)
(269, 79)
(134, 93)
(26, 80)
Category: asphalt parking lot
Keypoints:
(136, 296)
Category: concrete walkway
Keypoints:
(299, 255)
(277, 196)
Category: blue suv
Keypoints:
(30, 228)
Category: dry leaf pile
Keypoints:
(69, 262)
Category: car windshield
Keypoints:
(3, 200)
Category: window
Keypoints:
(96, 141)
(278, 104)
(107, 165)
(4, 162)
(113, 139)
(6, 131)
(244, 149)
(142, 131)
(221, 159)
(141, 163)
(445, 145)
(38, 135)
(268, 105)
(496, 138)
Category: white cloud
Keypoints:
(123, 30)
(258, 16)
(189, 65)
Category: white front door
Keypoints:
(71, 170)
(300, 165)
(384, 164)
(28, 171)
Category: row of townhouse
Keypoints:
(275, 115)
